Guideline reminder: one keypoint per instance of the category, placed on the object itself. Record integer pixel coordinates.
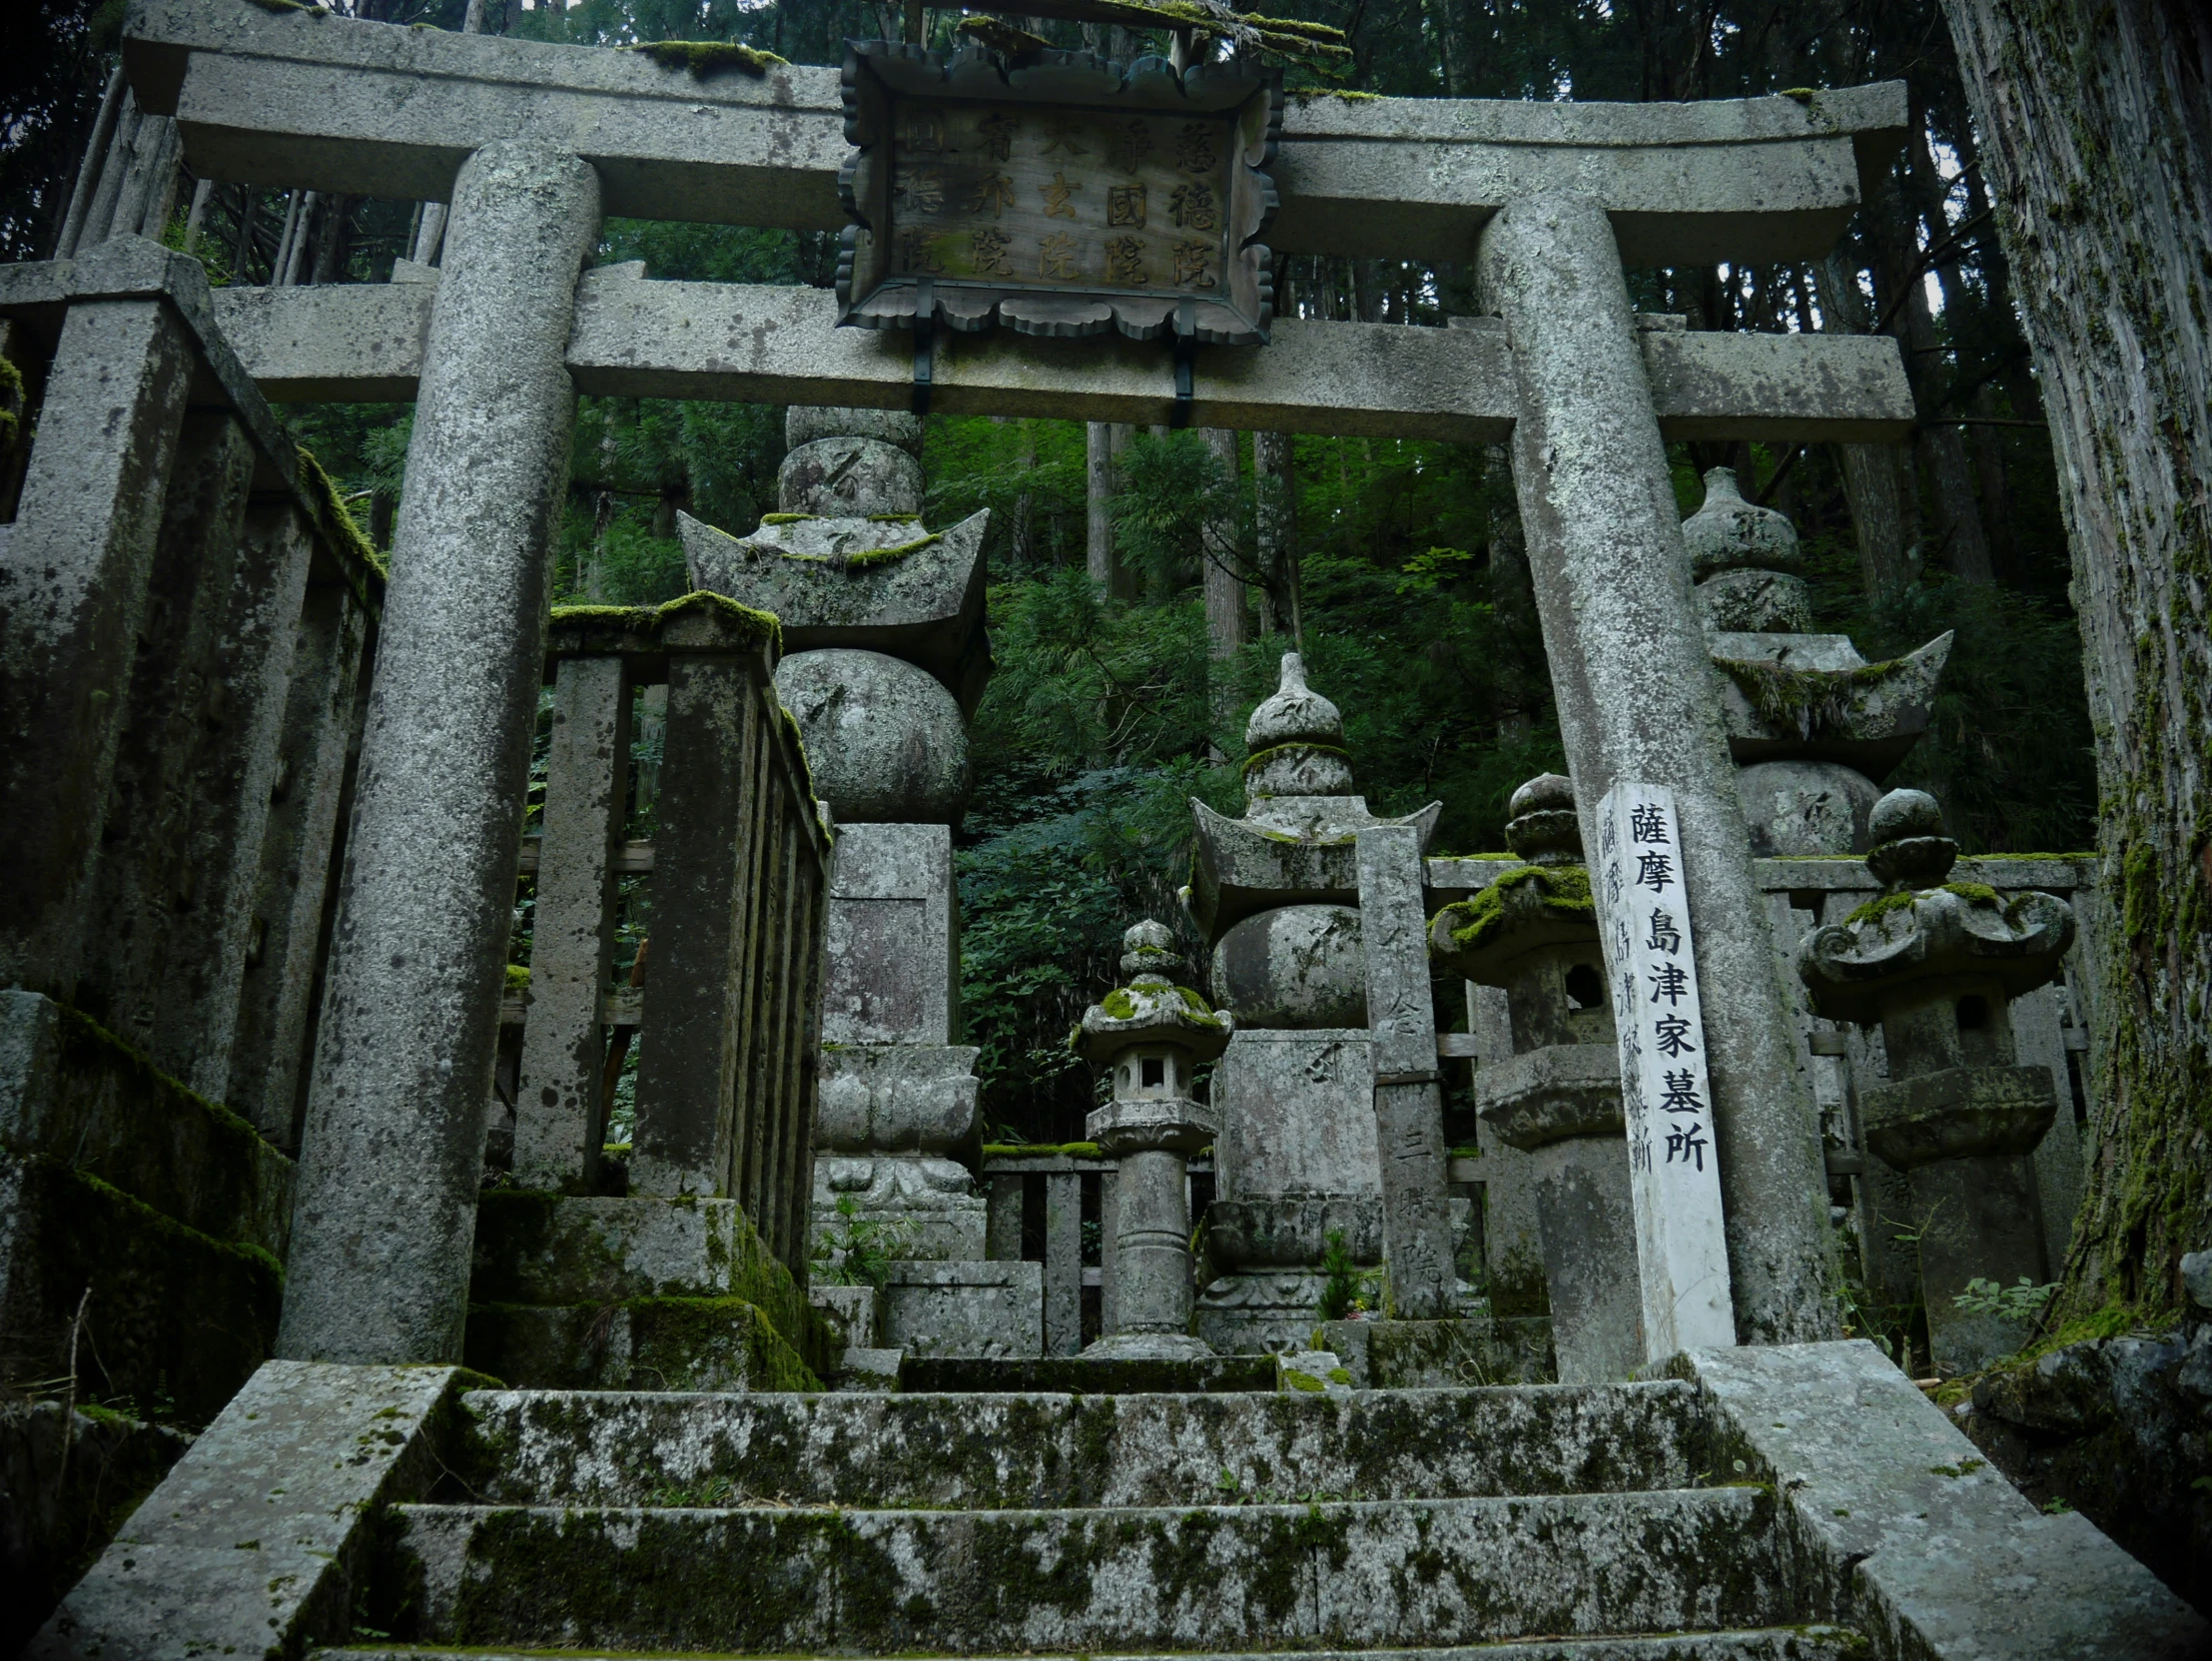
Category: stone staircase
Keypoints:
(1581, 1521)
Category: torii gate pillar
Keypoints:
(1633, 683)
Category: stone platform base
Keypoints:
(989, 1310)
(1266, 1313)
(581, 1293)
(1440, 1354)
(647, 1344)
(1076, 1374)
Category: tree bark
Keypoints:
(2097, 137)
(1871, 472)
(1227, 622)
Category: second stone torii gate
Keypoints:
(533, 141)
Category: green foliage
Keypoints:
(1346, 1289)
(858, 1249)
(2021, 1303)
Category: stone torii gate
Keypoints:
(532, 143)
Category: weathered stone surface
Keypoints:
(1345, 1573)
(1003, 1452)
(845, 582)
(1401, 177)
(885, 741)
(1296, 966)
(896, 1099)
(756, 343)
(1728, 533)
(1800, 809)
(1794, 1643)
(661, 1343)
(1556, 1091)
(545, 1248)
(1474, 1351)
(925, 1206)
(803, 423)
(1900, 1527)
(1093, 1372)
(894, 944)
(850, 1313)
(255, 1542)
(75, 1094)
(1958, 1113)
(965, 1308)
(66, 1486)
(1757, 603)
(1334, 1152)
(1630, 671)
(847, 476)
(411, 1016)
(1585, 1216)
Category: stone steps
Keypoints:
(1791, 1643)
(1361, 1575)
(1009, 1452)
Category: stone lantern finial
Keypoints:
(1153, 1033)
(1544, 829)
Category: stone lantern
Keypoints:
(1938, 964)
(1557, 1096)
(1153, 1033)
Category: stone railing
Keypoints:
(728, 1012)
(1064, 1187)
(188, 618)
(2050, 1027)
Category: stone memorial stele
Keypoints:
(1532, 932)
(1274, 894)
(1639, 886)
(1938, 964)
(1151, 1034)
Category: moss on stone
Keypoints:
(704, 57)
(862, 559)
(1808, 702)
(518, 977)
(788, 518)
(1974, 893)
(745, 619)
(894, 519)
(1041, 1151)
(1561, 888)
(334, 519)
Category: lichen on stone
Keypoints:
(860, 559)
(1259, 758)
(704, 57)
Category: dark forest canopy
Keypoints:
(1407, 589)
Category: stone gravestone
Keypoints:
(883, 624)
(1667, 1095)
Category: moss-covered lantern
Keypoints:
(1154, 1035)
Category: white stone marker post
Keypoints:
(1666, 1092)
(394, 1150)
(1634, 687)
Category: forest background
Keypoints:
(1138, 608)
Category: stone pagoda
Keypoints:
(1152, 1035)
(1274, 895)
(1813, 726)
(886, 659)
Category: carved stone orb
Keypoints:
(885, 739)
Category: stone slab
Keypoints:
(1009, 1450)
(1789, 1643)
(660, 1343)
(256, 97)
(893, 939)
(992, 1311)
(907, 1581)
(253, 1544)
(73, 1091)
(1087, 1375)
(754, 343)
(552, 1249)
(1441, 1355)
(1297, 1114)
(171, 1312)
(1900, 1526)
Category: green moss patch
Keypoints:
(1296, 752)
(1808, 702)
(1042, 1150)
(1476, 922)
(706, 56)
(1974, 893)
(333, 518)
(860, 559)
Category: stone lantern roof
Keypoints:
(1151, 1009)
(1543, 902)
(1922, 927)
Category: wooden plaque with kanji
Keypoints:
(1063, 197)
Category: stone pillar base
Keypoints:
(1259, 1313)
(903, 1206)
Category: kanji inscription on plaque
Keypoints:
(1064, 198)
